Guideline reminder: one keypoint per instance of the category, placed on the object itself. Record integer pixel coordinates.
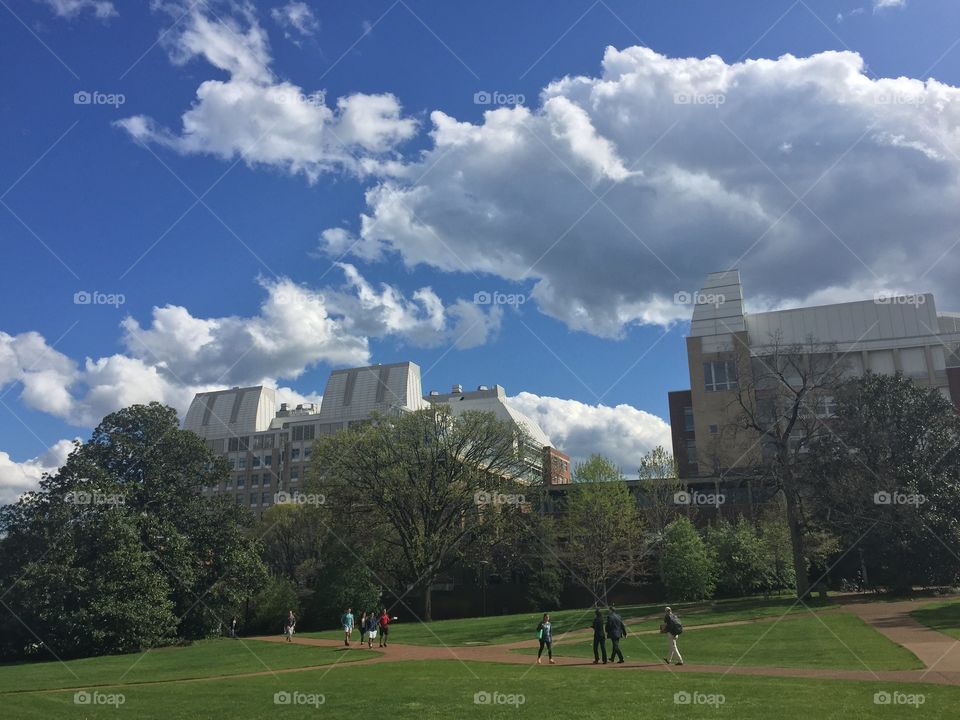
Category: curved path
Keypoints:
(939, 653)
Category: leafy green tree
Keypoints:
(658, 484)
(602, 527)
(686, 566)
(889, 478)
(429, 483)
(268, 608)
(171, 551)
(739, 557)
(775, 539)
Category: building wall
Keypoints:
(556, 467)
(682, 433)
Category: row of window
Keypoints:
(239, 462)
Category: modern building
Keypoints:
(886, 334)
(268, 448)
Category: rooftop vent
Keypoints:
(458, 388)
(482, 387)
(434, 392)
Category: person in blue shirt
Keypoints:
(347, 621)
(545, 635)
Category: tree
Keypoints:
(889, 474)
(658, 483)
(739, 557)
(686, 567)
(602, 527)
(122, 531)
(430, 483)
(782, 400)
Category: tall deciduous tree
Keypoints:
(686, 565)
(429, 483)
(602, 527)
(659, 485)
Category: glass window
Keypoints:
(253, 498)
(265, 499)
(295, 454)
(691, 452)
(267, 460)
(307, 452)
(239, 499)
(294, 474)
(241, 462)
(720, 375)
(688, 419)
(233, 445)
(266, 480)
(913, 362)
(254, 480)
(240, 481)
(881, 362)
(232, 463)
(255, 461)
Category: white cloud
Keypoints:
(883, 4)
(177, 354)
(17, 478)
(101, 9)
(622, 432)
(264, 120)
(296, 16)
(699, 164)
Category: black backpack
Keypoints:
(675, 626)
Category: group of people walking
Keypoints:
(614, 629)
(372, 626)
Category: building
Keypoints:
(882, 335)
(268, 448)
(539, 459)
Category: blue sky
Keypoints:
(207, 177)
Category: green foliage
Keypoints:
(739, 558)
(658, 485)
(343, 583)
(686, 566)
(269, 607)
(118, 550)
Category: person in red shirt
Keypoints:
(384, 627)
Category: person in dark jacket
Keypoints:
(673, 628)
(599, 639)
(545, 635)
(615, 631)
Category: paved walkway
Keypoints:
(939, 653)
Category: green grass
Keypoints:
(943, 617)
(202, 659)
(835, 640)
(447, 689)
(515, 628)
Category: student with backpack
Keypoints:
(672, 627)
(346, 620)
(545, 636)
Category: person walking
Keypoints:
(545, 636)
(672, 627)
(599, 639)
(363, 627)
(616, 630)
(347, 621)
(233, 627)
(289, 626)
(371, 628)
(384, 627)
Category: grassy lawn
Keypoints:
(202, 659)
(829, 641)
(943, 617)
(448, 689)
(514, 628)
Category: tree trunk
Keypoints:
(796, 542)
(427, 603)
